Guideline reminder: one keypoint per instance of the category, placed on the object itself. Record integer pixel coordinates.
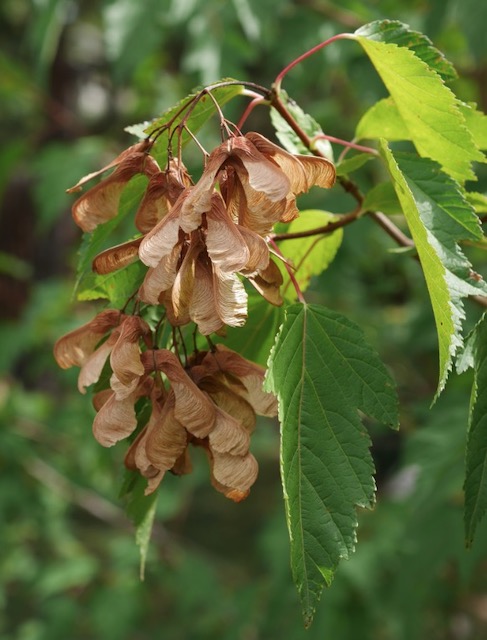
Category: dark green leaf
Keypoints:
(323, 372)
(438, 217)
(476, 458)
(116, 287)
(141, 510)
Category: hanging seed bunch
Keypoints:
(198, 240)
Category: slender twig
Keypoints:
(344, 220)
(250, 107)
(391, 229)
(304, 56)
(291, 275)
(344, 143)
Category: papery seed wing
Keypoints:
(93, 366)
(230, 298)
(162, 239)
(115, 421)
(228, 435)
(138, 148)
(193, 408)
(73, 349)
(237, 474)
(161, 277)
(268, 283)
(117, 257)
(224, 242)
(203, 309)
(166, 436)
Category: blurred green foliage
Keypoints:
(73, 75)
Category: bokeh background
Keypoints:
(73, 74)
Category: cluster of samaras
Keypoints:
(197, 240)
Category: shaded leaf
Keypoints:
(383, 198)
(117, 287)
(323, 372)
(475, 487)
(289, 139)
(254, 340)
(141, 510)
(438, 217)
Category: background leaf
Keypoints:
(352, 163)
(438, 217)
(141, 510)
(382, 197)
(322, 373)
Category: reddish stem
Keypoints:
(250, 107)
(345, 143)
(292, 277)
(304, 56)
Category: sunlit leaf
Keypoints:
(382, 120)
(311, 255)
(478, 201)
(429, 110)
(352, 163)
(476, 122)
(323, 372)
(395, 32)
(438, 217)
